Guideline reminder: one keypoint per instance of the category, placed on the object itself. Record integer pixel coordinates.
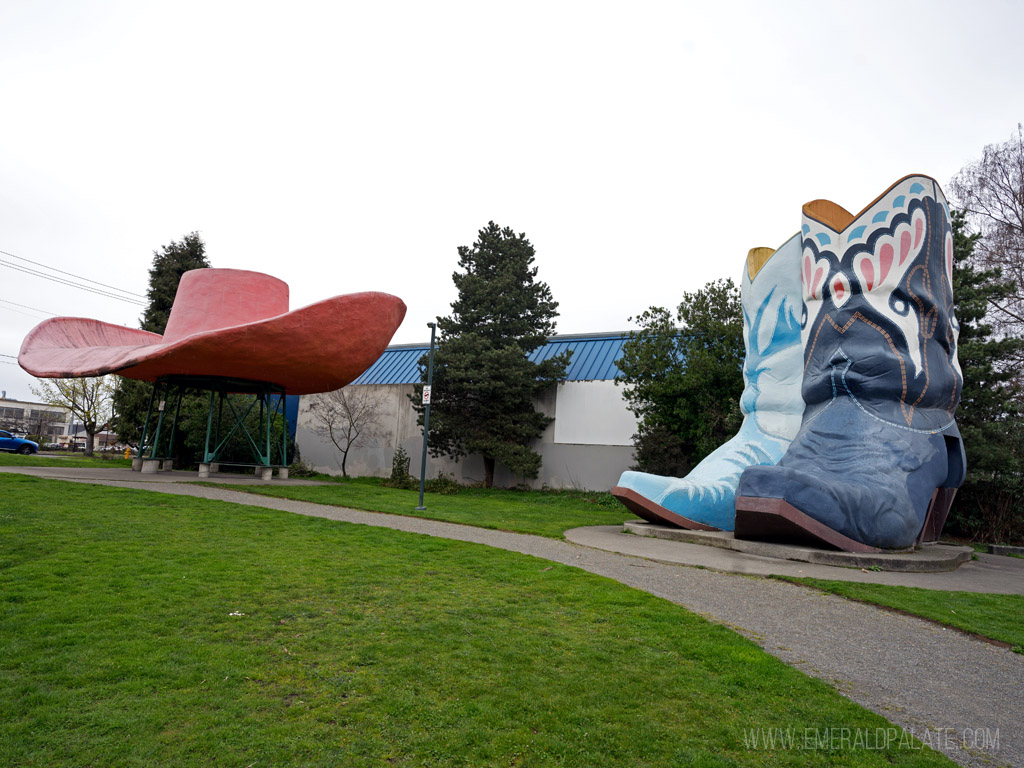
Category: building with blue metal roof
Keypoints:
(594, 358)
(588, 445)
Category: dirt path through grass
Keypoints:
(937, 683)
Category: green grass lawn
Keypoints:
(999, 617)
(551, 513)
(544, 513)
(140, 629)
(76, 460)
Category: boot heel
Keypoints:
(938, 511)
(942, 499)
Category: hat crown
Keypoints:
(211, 299)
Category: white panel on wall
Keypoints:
(592, 413)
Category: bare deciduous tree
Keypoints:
(88, 399)
(991, 192)
(348, 417)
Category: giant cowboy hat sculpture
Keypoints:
(227, 323)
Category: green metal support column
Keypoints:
(162, 411)
(220, 411)
(180, 391)
(209, 423)
(145, 424)
(265, 398)
(284, 430)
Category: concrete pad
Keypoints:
(930, 558)
(204, 470)
(167, 465)
(282, 473)
(137, 464)
(983, 573)
(150, 466)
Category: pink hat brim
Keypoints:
(318, 348)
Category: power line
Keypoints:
(62, 281)
(29, 315)
(25, 306)
(96, 291)
(69, 274)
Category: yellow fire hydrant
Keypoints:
(127, 452)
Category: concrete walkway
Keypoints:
(942, 685)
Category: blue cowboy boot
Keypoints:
(878, 450)
(771, 403)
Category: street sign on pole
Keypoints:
(426, 414)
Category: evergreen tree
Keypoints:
(168, 266)
(991, 411)
(484, 385)
(684, 380)
(131, 397)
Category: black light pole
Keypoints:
(426, 414)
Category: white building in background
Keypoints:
(28, 418)
(587, 446)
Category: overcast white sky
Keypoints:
(643, 147)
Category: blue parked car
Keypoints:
(9, 442)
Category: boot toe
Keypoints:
(878, 513)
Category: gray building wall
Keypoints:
(589, 466)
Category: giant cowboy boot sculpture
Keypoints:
(771, 403)
(878, 456)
